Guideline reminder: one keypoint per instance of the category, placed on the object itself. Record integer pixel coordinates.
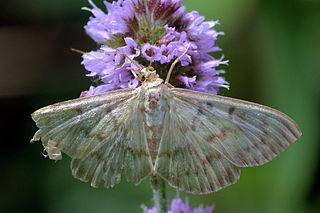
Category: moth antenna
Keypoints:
(174, 63)
(140, 68)
(132, 71)
(77, 51)
(82, 52)
(127, 69)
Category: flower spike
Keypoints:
(152, 33)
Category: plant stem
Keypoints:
(159, 190)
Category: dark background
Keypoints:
(274, 52)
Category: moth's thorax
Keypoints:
(155, 106)
(152, 81)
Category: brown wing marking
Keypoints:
(103, 134)
(247, 134)
(187, 162)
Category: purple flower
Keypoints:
(189, 82)
(171, 35)
(159, 31)
(211, 84)
(103, 26)
(131, 49)
(101, 62)
(151, 52)
(178, 206)
(97, 90)
(166, 53)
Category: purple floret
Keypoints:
(151, 52)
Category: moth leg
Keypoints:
(169, 85)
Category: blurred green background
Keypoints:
(274, 52)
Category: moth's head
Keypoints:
(145, 73)
(148, 73)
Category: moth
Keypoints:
(197, 142)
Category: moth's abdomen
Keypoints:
(155, 107)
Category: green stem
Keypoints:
(159, 190)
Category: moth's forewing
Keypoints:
(246, 133)
(103, 134)
(53, 119)
(207, 137)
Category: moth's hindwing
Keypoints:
(189, 163)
